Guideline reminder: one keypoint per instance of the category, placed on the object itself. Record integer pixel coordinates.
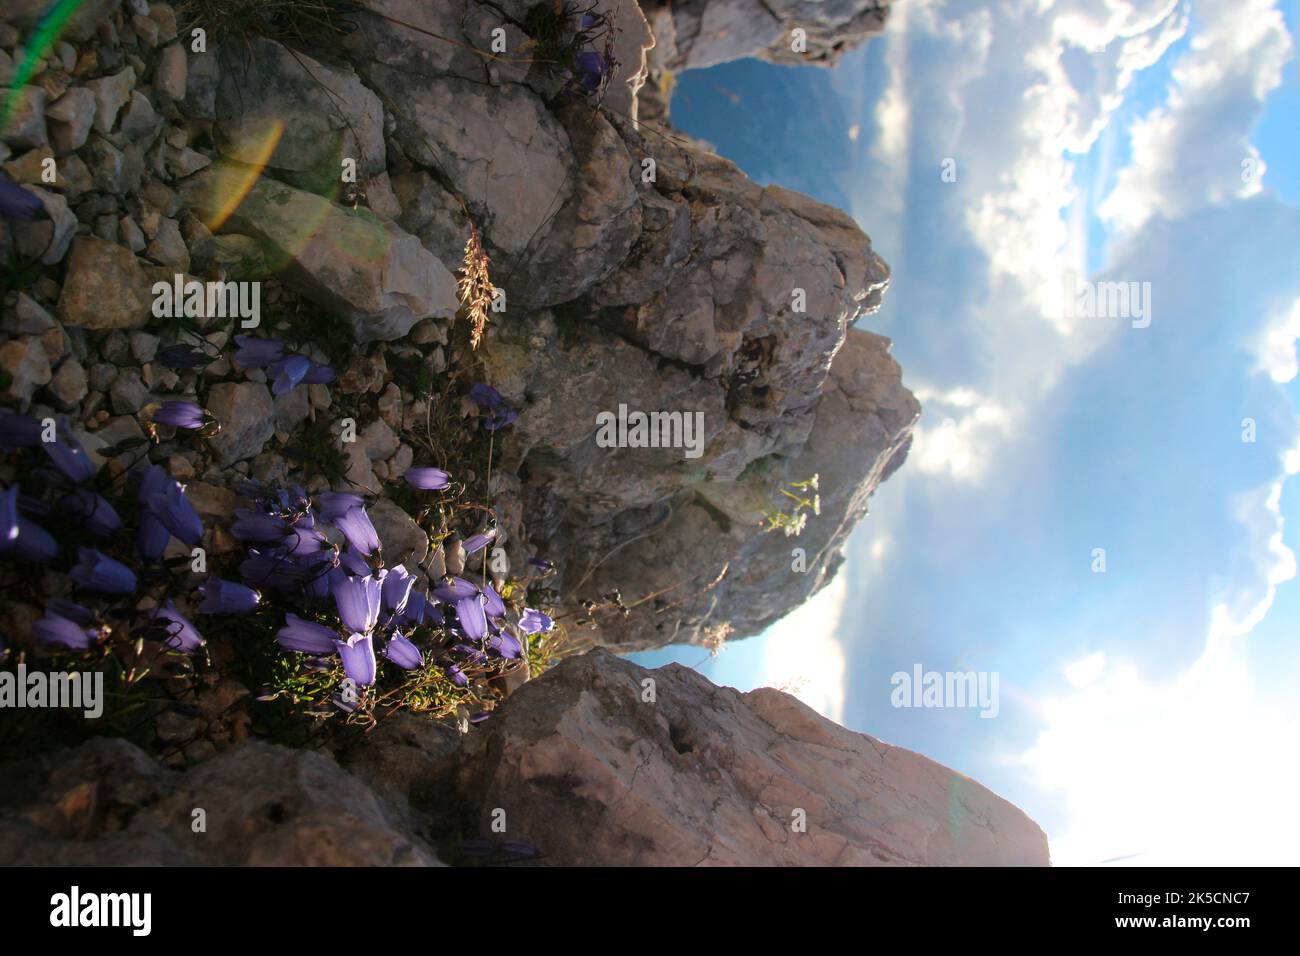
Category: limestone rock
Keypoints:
(374, 273)
(25, 128)
(704, 775)
(111, 94)
(69, 382)
(26, 367)
(172, 72)
(691, 34)
(247, 421)
(334, 117)
(108, 803)
(106, 287)
(401, 537)
(71, 116)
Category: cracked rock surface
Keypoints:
(593, 773)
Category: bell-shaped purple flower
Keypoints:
(55, 629)
(181, 356)
(305, 637)
(397, 589)
(71, 610)
(97, 572)
(534, 622)
(485, 396)
(358, 601)
(360, 532)
(176, 513)
(18, 431)
(93, 511)
(318, 374)
(358, 653)
(403, 653)
(473, 622)
(181, 634)
(427, 479)
(257, 353)
(591, 68)
(478, 542)
(496, 413)
(419, 611)
(506, 645)
(185, 415)
(287, 373)
(21, 539)
(151, 537)
(492, 603)
(333, 505)
(227, 597)
(454, 589)
(67, 455)
(456, 675)
(258, 527)
(19, 204)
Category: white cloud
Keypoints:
(1195, 771)
(802, 656)
(1008, 92)
(1276, 349)
(1190, 152)
(1085, 672)
(959, 445)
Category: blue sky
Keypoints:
(1148, 712)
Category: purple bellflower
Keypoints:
(358, 653)
(427, 479)
(181, 356)
(358, 602)
(335, 504)
(227, 597)
(360, 532)
(18, 431)
(287, 373)
(473, 622)
(21, 539)
(55, 629)
(534, 622)
(173, 509)
(181, 635)
(93, 510)
(97, 572)
(67, 455)
(17, 203)
(478, 542)
(257, 353)
(496, 413)
(186, 415)
(454, 589)
(397, 590)
(306, 637)
(403, 653)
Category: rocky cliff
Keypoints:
(632, 272)
(637, 270)
(599, 762)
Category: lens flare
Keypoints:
(42, 41)
(232, 183)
